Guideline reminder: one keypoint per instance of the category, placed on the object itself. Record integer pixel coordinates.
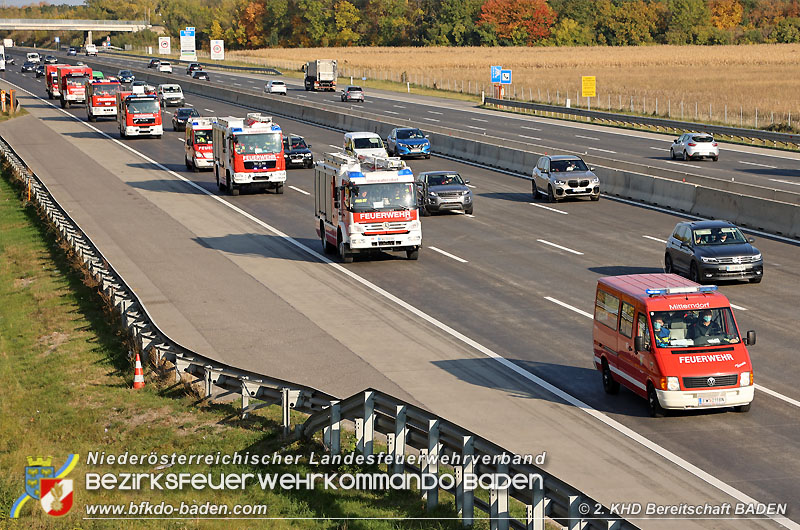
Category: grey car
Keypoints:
(712, 250)
(558, 177)
(440, 191)
(694, 145)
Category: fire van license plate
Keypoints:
(734, 268)
(706, 401)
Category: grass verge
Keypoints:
(66, 381)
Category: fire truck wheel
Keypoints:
(423, 210)
(195, 168)
(609, 385)
(279, 189)
(412, 254)
(186, 163)
(344, 251)
(653, 406)
(743, 408)
(234, 190)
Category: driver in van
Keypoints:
(705, 327)
(661, 332)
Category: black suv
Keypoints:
(154, 63)
(712, 250)
(193, 67)
(296, 152)
(181, 116)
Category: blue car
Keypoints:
(408, 142)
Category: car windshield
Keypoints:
(684, 329)
(171, 89)
(278, 83)
(164, 64)
(296, 142)
(729, 235)
(125, 72)
(702, 139)
(202, 136)
(254, 144)
(187, 112)
(143, 106)
(449, 179)
(199, 74)
(379, 197)
(409, 134)
(106, 90)
(372, 142)
(558, 166)
(354, 89)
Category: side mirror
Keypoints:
(466, 181)
(638, 343)
(591, 169)
(336, 204)
(675, 141)
(751, 240)
(308, 145)
(427, 136)
(751, 338)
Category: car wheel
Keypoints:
(609, 385)
(668, 267)
(550, 195)
(653, 406)
(743, 408)
(672, 153)
(534, 190)
(413, 255)
(694, 273)
(427, 157)
(757, 279)
(715, 158)
(595, 197)
(469, 210)
(685, 155)
(424, 211)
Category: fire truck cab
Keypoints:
(72, 84)
(197, 144)
(101, 98)
(139, 114)
(248, 153)
(366, 206)
(671, 341)
(51, 80)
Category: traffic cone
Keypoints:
(138, 374)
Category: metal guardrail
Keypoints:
(778, 137)
(256, 69)
(407, 427)
(75, 21)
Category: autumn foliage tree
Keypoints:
(518, 22)
(726, 14)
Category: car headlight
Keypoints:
(709, 260)
(673, 384)
(432, 194)
(757, 257)
(559, 182)
(307, 155)
(595, 180)
(746, 379)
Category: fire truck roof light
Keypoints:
(236, 129)
(405, 171)
(276, 127)
(682, 290)
(355, 174)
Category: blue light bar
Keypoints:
(653, 292)
(682, 290)
(276, 127)
(355, 174)
(405, 171)
(708, 289)
(195, 123)
(236, 129)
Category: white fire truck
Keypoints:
(197, 143)
(248, 153)
(367, 206)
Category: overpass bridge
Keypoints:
(53, 24)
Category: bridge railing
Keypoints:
(23, 22)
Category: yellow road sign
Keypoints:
(589, 86)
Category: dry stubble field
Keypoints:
(766, 76)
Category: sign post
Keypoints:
(589, 89)
(496, 72)
(164, 46)
(217, 50)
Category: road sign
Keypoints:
(188, 45)
(588, 86)
(217, 50)
(505, 77)
(164, 47)
(58, 39)
(496, 73)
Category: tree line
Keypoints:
(306, 23)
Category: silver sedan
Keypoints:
(694, 145)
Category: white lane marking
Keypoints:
(559, 246)
(434, 112)
(301, 95)
(587, 137)
(548, 208)
(391, 112)
(658, 148)
(738, 307)
(681, 164)
(469, 215)
(440, 251)
(189, 105)
(529, 128)
(398, 106)
(656, 239)
(786, 182)
(602, 150)
(209, 110)
(180, 140)
(304, 192)
(571, 308)
(529, 137)
(478, 119)
(238, 84)
(569, 398)
(470, 186)
(473, 127)
(430, 119)
(759, 165)
(335, 146)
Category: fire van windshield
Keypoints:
(257, 143)
(382, 197)
(143, 106)
(684, 329)
(106, 90)
(202, 136)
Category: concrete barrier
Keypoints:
(693, 196)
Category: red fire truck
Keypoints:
(365, 206)
(51, 80)
(72, 84)
(101, 98)
(138, 114)
(248, 153)
(199, 151)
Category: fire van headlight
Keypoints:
(709, 260)
(414, 225)
(356, 229)
(673, 384)
(746, 379)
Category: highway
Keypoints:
(524, 281)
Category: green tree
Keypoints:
(685, 16)
(346, 19)
(452, 22)
(568, 32)
(626, 23)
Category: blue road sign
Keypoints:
(505, 77)
(496, 73)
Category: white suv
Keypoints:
(694, 145)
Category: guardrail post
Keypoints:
(359, 422)
(369, 421)
(499, 500)
(464, 493)
(207, 380)
(616, 524)
(400, 434)
(432, 464)
(285, 409)
(245, 398)
(335, 428)
(574, 522)
(535, 510)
